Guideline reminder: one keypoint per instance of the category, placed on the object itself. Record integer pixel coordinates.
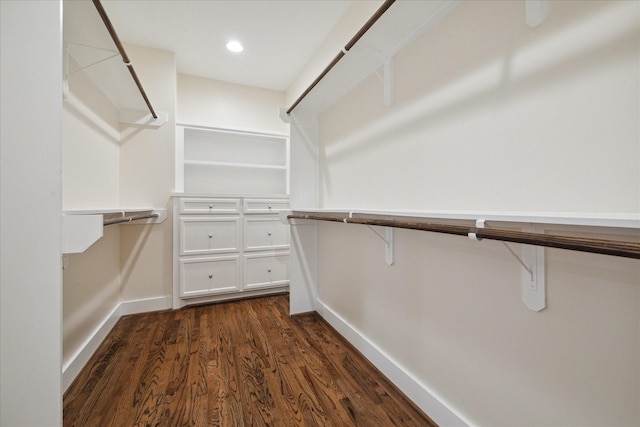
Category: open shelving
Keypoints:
(224, 162)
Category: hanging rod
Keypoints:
(599, 246)
(381, 10)
(123, 53)
(129, 219)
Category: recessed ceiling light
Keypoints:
(235, 46)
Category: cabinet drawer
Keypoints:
(209, 235)
(265, 205)
(205, 276)
(265, 232)
(212, 206)
(262, 271)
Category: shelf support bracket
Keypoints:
(388, 241)
(536, 12)
(533, 282)
(388, 81)
(533, 274)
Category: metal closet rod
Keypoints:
(123, 53)
(381, 10)
(128, 219)
(598, 246)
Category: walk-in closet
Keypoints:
(374, 213)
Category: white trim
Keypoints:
(72, 368)
(238, 130)
(145, 305)
(425, 399)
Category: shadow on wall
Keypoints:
(472, 64)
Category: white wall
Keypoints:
(147, 179)
(90, 168)
(490, 114)
(493, 115)
(130, 262)
(30, 213)
(214, 103)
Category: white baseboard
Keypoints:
(410, 386)
(145, 305)
(72, 368)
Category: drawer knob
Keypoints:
(210, 206)
(269, 233)
(211, 276)
(268, 270)
(269, 206)
(210, 236)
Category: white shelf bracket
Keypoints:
(536, 12)
(533, 282)
(388, 241)
(142, 118)
(388, 81)
(533, 274)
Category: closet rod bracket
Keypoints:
(388, 241)
(533, 274)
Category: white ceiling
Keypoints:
(279, 36)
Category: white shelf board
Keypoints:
(231, 195)
(233, 165)
(79, 232)
(81, 228)
(401, 24)
(276, 136)
(88, 42)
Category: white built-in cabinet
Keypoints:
(229, 241)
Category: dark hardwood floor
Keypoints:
(241, 363)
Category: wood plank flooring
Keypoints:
(241, 363)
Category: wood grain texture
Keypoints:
(621, 248)
(241, 363)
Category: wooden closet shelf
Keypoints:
(600, 246)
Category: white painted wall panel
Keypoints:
(225, 105)
(30, 213)
(450, 313)
(147, 179)
(493, 115)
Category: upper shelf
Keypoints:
(81, 228)
(402, 23)
(91, 50)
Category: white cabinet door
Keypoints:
(207, 276)
(209, 235)
(263, 232)
(263, 271)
